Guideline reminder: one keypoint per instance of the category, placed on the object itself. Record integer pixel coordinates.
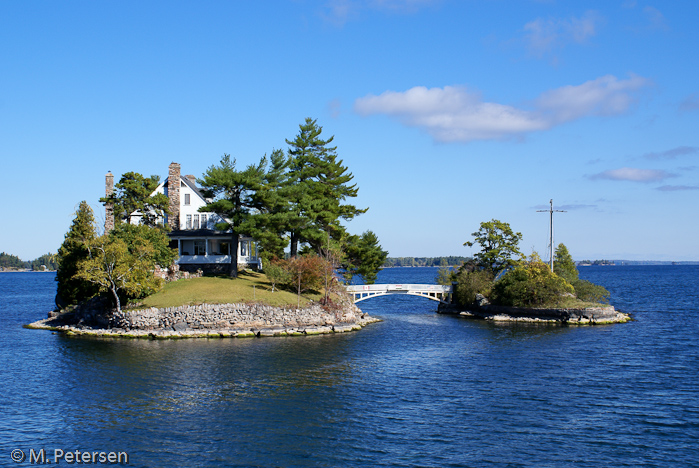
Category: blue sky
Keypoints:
(448, 113)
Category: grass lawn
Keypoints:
(248, 287)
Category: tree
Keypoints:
(11, 261)
(232, 193)
(71, 289)
(471, 283)
(563, 264)
(317, 186)
(498, 245)
(156, 236)
(364, 257)
(134, 193)
(530, 284)
(305, 272)
(276, 273)
(271, 214)
(116, 269)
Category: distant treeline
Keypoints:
(13, 262)
(423, 261)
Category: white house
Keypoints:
(194, 234)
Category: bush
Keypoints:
(530, 284)
(470, 283)
(590, 292)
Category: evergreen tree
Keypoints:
(364, 257)
(564, 265)
(134, 192)
(11, 261)
(318, 184)
(271, 215)
(232, 193)
(72, 290)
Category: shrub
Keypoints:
(530, 284)
(470, 283)
(590, 292)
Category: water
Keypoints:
(418, 389)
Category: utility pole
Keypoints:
(551, 211)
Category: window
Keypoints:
(186, 199)
(204, 224)
(189, 221)
(196, 222)
(244, 248)
(199, 247)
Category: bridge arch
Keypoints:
(434, 292)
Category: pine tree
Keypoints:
(232, 193)
(134, 193)
(364, 257)
(564, 265)
(72, 290)
(318, 184)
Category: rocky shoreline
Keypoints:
(588, 316)
(96, 319)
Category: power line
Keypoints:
(551, 211)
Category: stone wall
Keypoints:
(204, 321)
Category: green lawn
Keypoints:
(248, 287)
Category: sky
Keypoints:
(447, 113)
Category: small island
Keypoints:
(206, 257)
(495, 286)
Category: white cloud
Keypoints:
(673, 153)
(656, 20)
(339, 12)
(633, 174)
(690, 103)
(677, 188)
(454, 113)
(544, 35)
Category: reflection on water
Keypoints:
(416, 389)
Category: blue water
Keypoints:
(418, 389)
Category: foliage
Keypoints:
(272, 214)
(119, 269)
(590, 292)
(48, 260)
(470, 283)
(232, 193)
(364, 257)
(499, 244)
(135, 235)
(445, 275)
(305, 272)
(316, 186)
(72, 289)
(11, 261)
(530, 284)
(276, 273)
(134, 193)
(564, 265)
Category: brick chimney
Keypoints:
(192, 179)
(173, 193)
(108, 207)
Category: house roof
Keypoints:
(189, 184)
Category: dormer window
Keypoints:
(186, 199)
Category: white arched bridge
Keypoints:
(435, 292)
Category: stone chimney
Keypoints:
(173, 193)
(192, 179)
(108, 207)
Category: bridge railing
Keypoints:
(400, 287)
(435, 292)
